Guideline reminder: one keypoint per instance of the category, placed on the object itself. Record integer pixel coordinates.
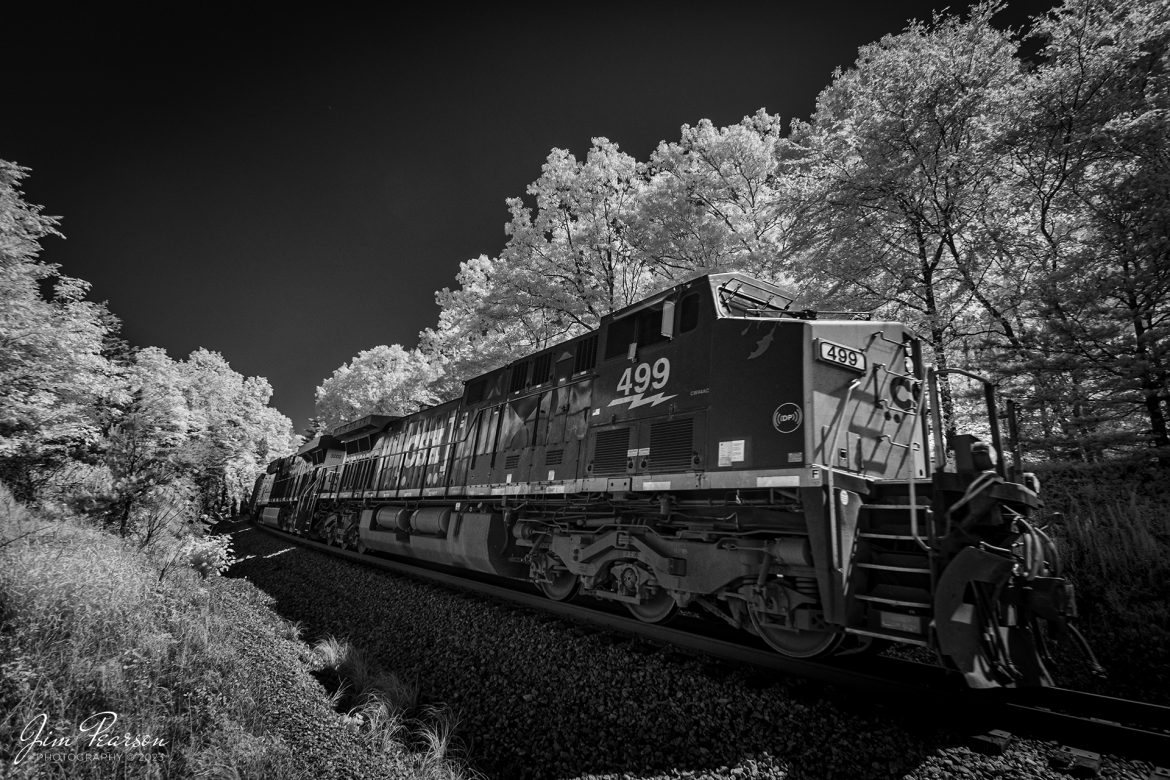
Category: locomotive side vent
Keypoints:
(609, 452)
(541, 369)
(586, 354)
(512, 461)
(670, 444)
(519, 377)
(554, 457)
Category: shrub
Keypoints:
(209, 555)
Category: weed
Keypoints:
(291, 630)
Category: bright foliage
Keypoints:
(151, 431)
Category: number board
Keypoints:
(840, 355)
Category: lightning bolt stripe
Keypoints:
(637, 400)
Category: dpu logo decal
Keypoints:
(787, 418)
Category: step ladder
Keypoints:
(893, 573)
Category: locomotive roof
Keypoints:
(765, 293)
(324, 441)
(363, 426)
(765, 298)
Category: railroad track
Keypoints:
(1083, 725)
(1087, 724)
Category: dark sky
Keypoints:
(291, 189)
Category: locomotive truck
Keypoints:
(714, 448)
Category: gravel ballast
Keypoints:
(540, 698)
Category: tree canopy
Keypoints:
(381, 380)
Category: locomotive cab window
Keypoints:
(476, 390)
(643, 328)
(620, 335)
(688, 313)
(650, 327)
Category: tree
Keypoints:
(232, 432)
(482, 325)
(382, 380)
(901, 156)
(1091, 155)
(714, 202)
(316, 427)
(568, 262)
(144, 447)
(56, 381)
(570, 256)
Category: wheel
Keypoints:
(796, 643)
(563, 586)
(659, 608)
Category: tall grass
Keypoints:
(1114, 539)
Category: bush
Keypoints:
(209, 555)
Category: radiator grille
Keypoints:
(609, 452)
(670, 444)
(554, 457)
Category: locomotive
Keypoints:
(714, 448)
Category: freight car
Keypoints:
(719, 449)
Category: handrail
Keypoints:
(912, 447)
(834, 534)
(992, 413)
(914, 502)
(1014, 433)
(936, 420)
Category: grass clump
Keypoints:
(349, 669)
(380, 705)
